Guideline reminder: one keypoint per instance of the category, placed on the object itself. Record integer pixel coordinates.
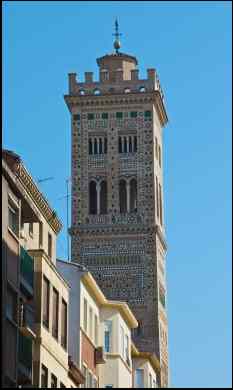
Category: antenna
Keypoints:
(46, 179)
(68, 180)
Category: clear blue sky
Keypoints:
(189, 43)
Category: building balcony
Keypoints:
(97, 161)
(27, 321)
(26, 273)
(132, 218)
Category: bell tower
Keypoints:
(117, 190)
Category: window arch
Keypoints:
(105, 145)
(123, 196)
(92, 198)
(120, 145)
(133, 196)
(130, 145)
(142, 89)
(81, 92)
(103, 197)
(90, 146)
(95, 146)
(125, 145)
(100, 146)
(135, 144)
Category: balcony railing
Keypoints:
(99, 355)
(27, 320)
(26, 272)
(96, 219)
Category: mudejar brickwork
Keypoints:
(117, 228)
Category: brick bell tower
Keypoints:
(117, 190)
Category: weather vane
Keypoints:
(117, 43)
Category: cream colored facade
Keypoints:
(146, 369)
(117, 372)
(48, 349)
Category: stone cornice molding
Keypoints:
(161, 237)
(39, 199)
(27, 187)
(119, 99)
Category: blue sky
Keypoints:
(189, 44)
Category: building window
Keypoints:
(125, 145)
(133, 114)
(130, 145)
(154, 383)
(85, 376)
(105, 145)
(85, 315)
(11, 304)
(92, 198)
(62, 386)
(13, 217)
(157, 197)
(46, 301)
(55, 313)
(139, 378)
(135, 144)
(90, 146)
(156, 148)
(127, 349)
(104, 115)
(147, 114)
(133, 196)
(44, 376)
(100, 146)
(107, 335)
(89, 380)
(119, 115)
(90, 116)
(122, 342)
(40, 234)
(109, 387)
(123, 197)
(119, 145)
(150, 381)
(159, 156)
(96, 330)
(95, 383)
(90, 323)
(53, 381)
(160, 205)
(103, 197)
(49, 245)
(95, 146)
(64, 324)
(31, 229)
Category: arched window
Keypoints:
(125, 145)
(100, 146)
(95, 146)
(92, 198)
(133, 196)
(90, 146)
(105, 145)
(135, 144)
(103, 197)
(123, 196)
(120, 145)
(130, 145)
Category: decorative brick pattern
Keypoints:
(124, 252)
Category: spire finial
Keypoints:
(117, 43)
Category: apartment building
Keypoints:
(99, 331)
(146, 368)
(35, 296)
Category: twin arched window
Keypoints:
(98, 197)
(127, 144)
(128, 196)
(98, 145)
